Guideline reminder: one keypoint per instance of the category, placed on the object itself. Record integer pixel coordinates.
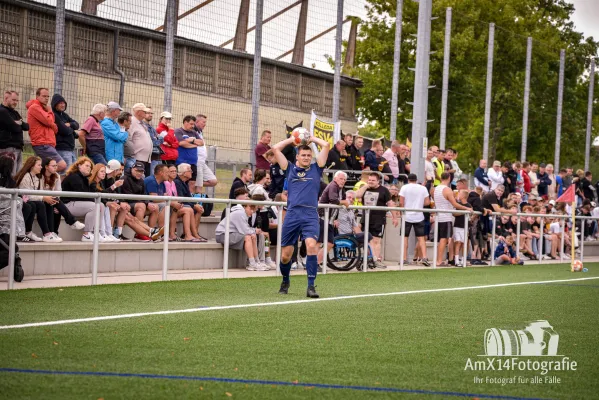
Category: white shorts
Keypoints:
(458, 234)
(204, 174)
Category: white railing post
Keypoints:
(366, 222)
(492, 241)
(541, 241)
(563, 236)
(226, 254)
(518, 237)
(325, 240)
(165, 237)
(13, 241)
(279, 238)
(435, 240)
(95, 252)
(465, 259)
(581, 239)
(402, 241)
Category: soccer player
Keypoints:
(303, 185)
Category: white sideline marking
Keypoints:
(281, 303)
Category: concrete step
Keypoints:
(76, 257)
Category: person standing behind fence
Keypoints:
(206, 177)
(353, 155)
(260, 151)
(337, 159)
(374, 194)
(189, 140)
(11, 129)
(481, 179)
(391, 155)
(445, 200)
(414, 196)
(92, 136)
(170, 144)
(67, 130)
(138, 148)
(42, 128)
(115, 132)
(157, 140)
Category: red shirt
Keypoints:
(261, 162)
(526, 179)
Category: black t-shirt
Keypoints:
(489, 199)
(589, 190)
(460, 219)
(448, 166)
(376, 197)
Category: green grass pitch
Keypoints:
(399, 346)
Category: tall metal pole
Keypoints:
(419, 120)
(445, 89)
(170, 51)
(526, 99)
(256, 81)
(396, 62)
(337, 77)
(560, 97)
(59, 47)
(489, 93)
(587, 148)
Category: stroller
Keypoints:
(5, 236)
(4, 249)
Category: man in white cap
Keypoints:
(139, 144)
(495, 175)
(170, 143)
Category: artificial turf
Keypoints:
(417, 342)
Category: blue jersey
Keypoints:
(303, 186)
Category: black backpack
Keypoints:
(4, 241)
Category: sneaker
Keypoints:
(408, 262)
(141, 238)
(156, 233)
(260, 266)
(311, 292)
(111, 238)
(122, 238)
(294, 266)
(33, 237)
(425, 262)
(102, 239)
(524, 258)
(270, 263)
(77, 226)
(380, 265)
(251, 267)
(51, 238)
(87, 237)
(284, 289)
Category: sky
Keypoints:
(215, 23)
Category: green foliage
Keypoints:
(547, 21)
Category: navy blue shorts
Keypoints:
(300, 221)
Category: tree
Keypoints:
(547, 21)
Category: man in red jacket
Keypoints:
(526, 178)
(43, 129)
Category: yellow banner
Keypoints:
(325, 131)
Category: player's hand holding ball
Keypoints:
(301, 136)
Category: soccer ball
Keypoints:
(576, 266)
(300, 136)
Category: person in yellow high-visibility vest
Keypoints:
(439, 166)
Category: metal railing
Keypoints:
(97, 197)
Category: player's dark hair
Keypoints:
(239, 192)
(445, 176)
(303, 147)
(244, 171)
(159, 167)
(258, 197)
(259, 174)
(377, 176)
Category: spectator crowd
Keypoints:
(123, 152)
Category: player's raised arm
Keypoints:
(324, 150)
(277, 150)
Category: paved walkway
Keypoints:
(58, 281)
